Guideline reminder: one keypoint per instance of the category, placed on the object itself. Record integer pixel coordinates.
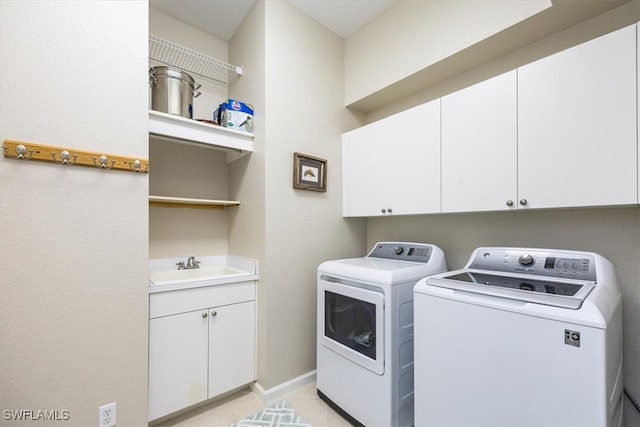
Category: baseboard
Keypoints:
(284, 388)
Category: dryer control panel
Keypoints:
(565, 264)
(402, 251)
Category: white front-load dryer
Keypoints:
(520, 337)
(365, 331)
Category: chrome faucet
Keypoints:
(191, 264)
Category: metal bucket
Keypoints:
(172, 91)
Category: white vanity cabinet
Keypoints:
(231, 347)
(577, 125)
(479, 147)
(201, 344)
(177, 362)
(392, 166)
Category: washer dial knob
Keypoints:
(399, 250)
(526, 260)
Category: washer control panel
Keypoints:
(402, 251)
(570, 265)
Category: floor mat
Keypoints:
(279, 414)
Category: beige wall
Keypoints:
(563, 38)
(168, 28)
(305, 114)
(185, 171)
(613, 232)
(414, 35)
(73, 264)
(247, 175)
(301, 111)
(189, 171)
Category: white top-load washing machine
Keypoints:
(365, 331)
(520, 337)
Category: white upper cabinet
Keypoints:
(577, 118)
(392, 166)
(479, 147)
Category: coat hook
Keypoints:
(136, 165)
(65, 156)
(21, 150)
(103, 162)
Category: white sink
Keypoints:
(165, 277)
(214, 270)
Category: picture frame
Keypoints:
(309, 173)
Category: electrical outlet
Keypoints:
(108, 415)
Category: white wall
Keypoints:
(73, 265)
(302, 81)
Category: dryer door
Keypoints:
(352, 323)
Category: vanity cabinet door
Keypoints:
(177, 362)
(231, 347)
(577, 125)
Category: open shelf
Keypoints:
(192, 132)
(184, 202)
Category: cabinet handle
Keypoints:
(509, 203)
(204, 315)
(214, 313)
(523, 202)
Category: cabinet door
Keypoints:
(393, 166)
(232, 340)
(577, 125)
(479, 146)
(177, 362)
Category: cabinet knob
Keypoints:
(214, 313)
(523, 202)
(509, 203)
(390, 210)
(204, 314)
(383, 210)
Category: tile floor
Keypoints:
(230, 410)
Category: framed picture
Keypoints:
(309, 173)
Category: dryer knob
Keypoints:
(399, 250)
(526, 260)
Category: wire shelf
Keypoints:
(189, 60)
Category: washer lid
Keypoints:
(379, 270)
(558, 293)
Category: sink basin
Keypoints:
(214, 270)
(176, 276)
